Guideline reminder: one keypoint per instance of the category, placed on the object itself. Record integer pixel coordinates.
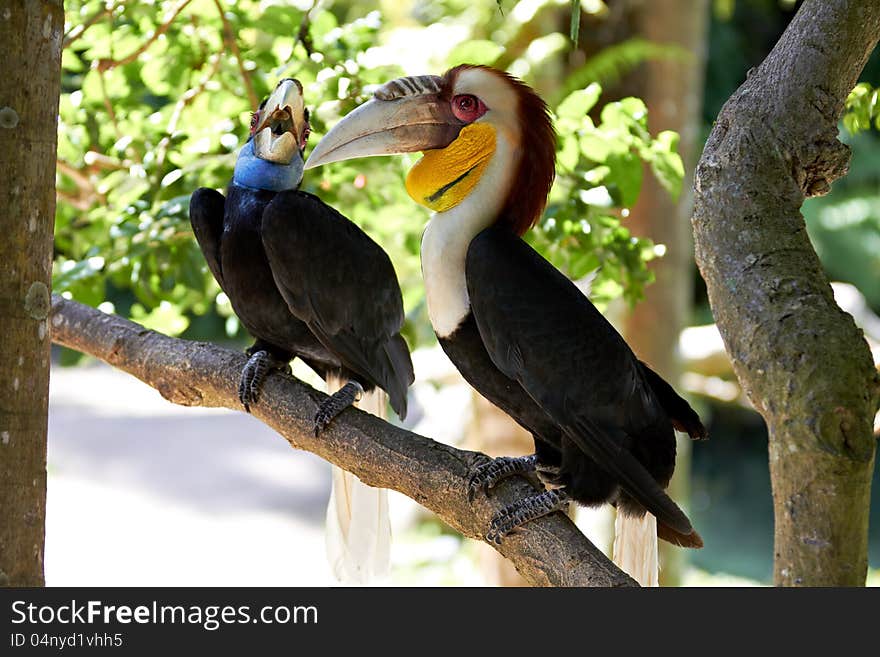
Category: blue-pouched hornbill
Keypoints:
(306, 282)
(518, 330)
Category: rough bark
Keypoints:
(30, 46)
(494, 432)
(547, 552)
(800, 358)
(673, 92)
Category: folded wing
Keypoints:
(358, 313)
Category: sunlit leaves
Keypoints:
(579, 103)
(600, 170)
(862, 109)
(137, 137)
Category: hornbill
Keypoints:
(517, 329)
(307, 283)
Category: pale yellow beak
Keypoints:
(280, 133)
(389, 125)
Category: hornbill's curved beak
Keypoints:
(283, 124)
(404, 116)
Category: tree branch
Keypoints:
(185, 100)
(232, 43)
(800, 358)
(79, 30)
(547, 552)
(107, 64)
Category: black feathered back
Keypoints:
(343, 286)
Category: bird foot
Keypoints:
(486, 473)
(254, 375)
(335, 404)
(519, 513)
(550, 475)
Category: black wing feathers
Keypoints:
(541, 331)
(683, 417)
(206, 208)
(342, 284)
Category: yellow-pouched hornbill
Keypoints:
(307, 283)
(518, 330)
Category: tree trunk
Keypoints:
(673, 92)
(30, 46)
(800, 358)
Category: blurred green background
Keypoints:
(156, 100)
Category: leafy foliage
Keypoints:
(614, 62)
(862, 109)
(599, 175)
(156, 99)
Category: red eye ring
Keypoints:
(468, 108)
(255, 118)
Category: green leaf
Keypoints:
(166, 318)
(596, 146)
(624, 180)
(69, 272)
(578, 104)
(575, 26)
(567, 157)
(861, 108)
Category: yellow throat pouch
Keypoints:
(443, 177)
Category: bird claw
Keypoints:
(254, 375)
(321, 420)
(335, 404)
(500, 526)
(478, 466)
(486, 472)
(513, 516)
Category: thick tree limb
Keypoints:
(802, 361)
(547, 552)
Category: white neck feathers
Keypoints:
(448, 235)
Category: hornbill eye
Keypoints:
(467, 107)
(255, 120)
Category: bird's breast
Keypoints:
(443, 269)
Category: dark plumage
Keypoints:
(306, 282)
(518, 330)
(536, 347)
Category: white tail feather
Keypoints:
(358, 534)
(635, 548)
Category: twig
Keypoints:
(78, 177)
(79, 202)
(547, 552)
(302, 34)
(79, 30)
(186, 99)
(232, 43)
(107, 64)
(101, 161)
(108, 105)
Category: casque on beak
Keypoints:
(280, 133)
(399, 119)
